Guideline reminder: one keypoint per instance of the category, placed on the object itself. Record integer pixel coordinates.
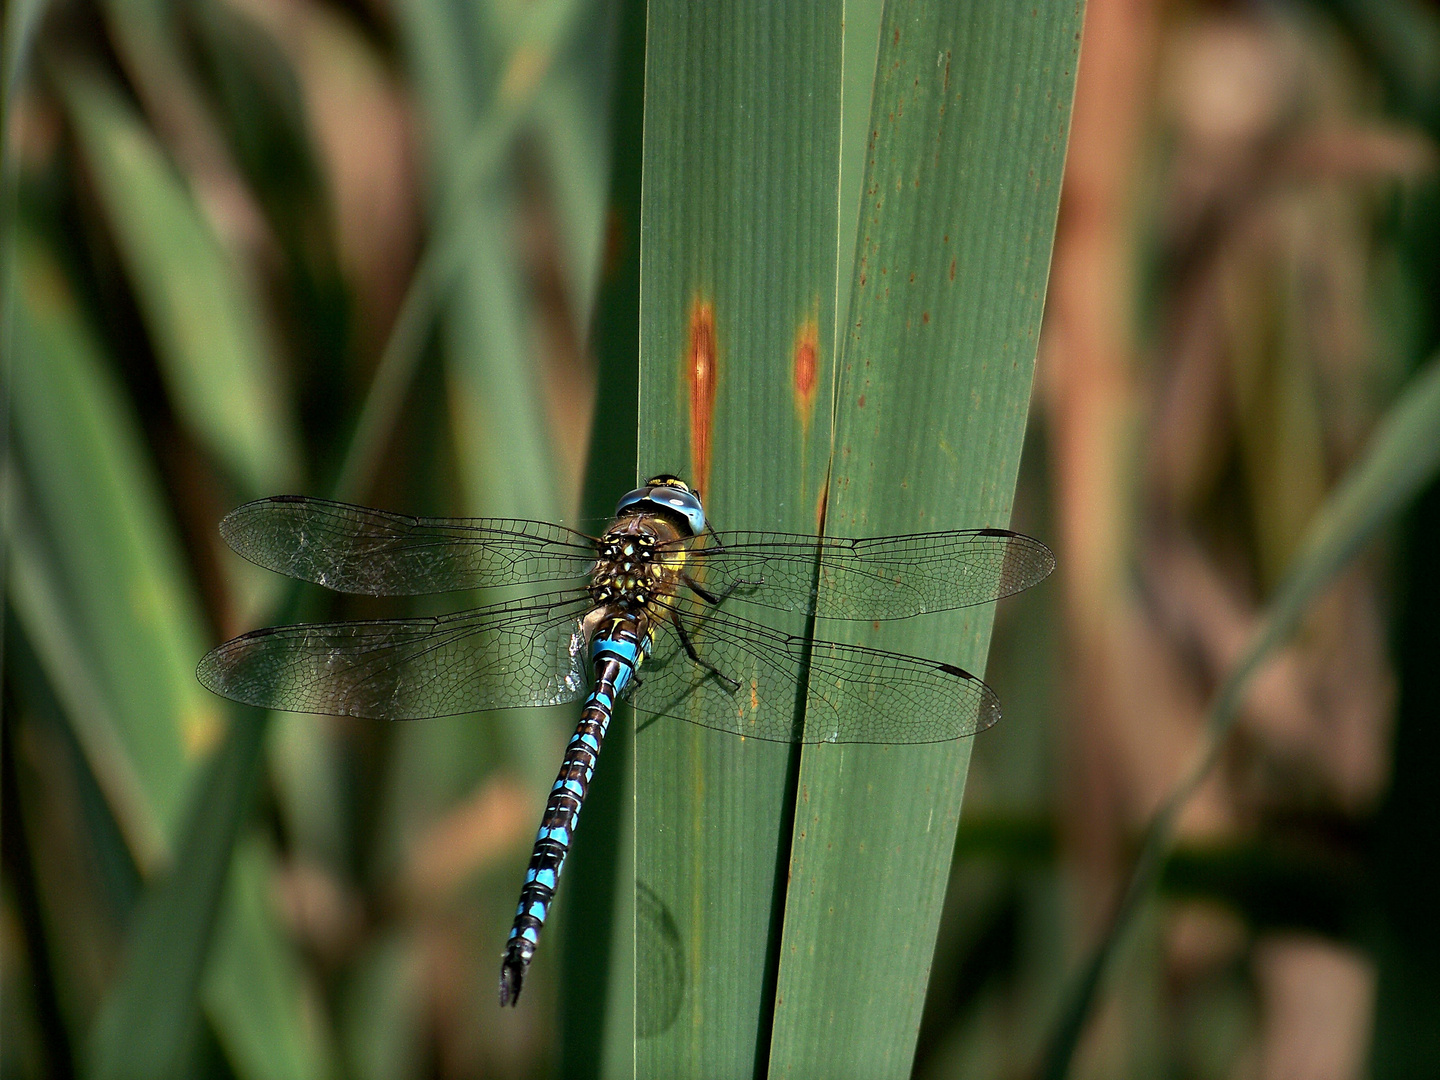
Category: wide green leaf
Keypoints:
(738, 241)
(967, 145)
(941, 309)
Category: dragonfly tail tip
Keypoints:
(512, 975)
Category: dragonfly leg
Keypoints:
(700, 590)
(695, 657)
(709, 597)
(714, 536)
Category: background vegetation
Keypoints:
(390, 250)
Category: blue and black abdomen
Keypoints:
(616, 653)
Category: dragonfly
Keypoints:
(644, 612)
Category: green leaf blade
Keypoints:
(206, 327)
(101, 508)
(738, 243)
(967, 142)
(131, 618)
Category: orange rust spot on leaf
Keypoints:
(806, 370)
(952, 269)
(702, 374)
(924, 316)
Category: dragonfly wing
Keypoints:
(353, 549)
(882, 577)
(856, 695)
(408, 669)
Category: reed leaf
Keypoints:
(941, 306)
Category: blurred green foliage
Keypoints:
(225, 285)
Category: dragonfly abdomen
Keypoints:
(615, 656)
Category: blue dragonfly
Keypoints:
(654, 592)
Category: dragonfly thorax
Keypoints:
(637, 561)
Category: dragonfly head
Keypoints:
(668, 495)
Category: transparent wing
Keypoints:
(352, 549)
(882, 577)
(494, 657)
(857, 695)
